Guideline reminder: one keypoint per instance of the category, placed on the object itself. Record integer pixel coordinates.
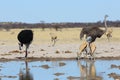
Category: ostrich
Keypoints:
(91, 34)
(53, 38)
(25, 37)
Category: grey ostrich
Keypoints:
(91, 34)
(25, 37)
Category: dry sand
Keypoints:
(66, 48)
(63, 51)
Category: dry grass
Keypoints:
(69, 35)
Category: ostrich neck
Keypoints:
(105, 25)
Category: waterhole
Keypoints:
(60, 70)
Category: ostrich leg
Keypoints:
(26, 53)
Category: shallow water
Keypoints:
(60, 70)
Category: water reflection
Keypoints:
(88, 70)
(25, 75)
(60, 70)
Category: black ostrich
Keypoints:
(25, 37)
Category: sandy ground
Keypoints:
(66, 48)
(59, 51)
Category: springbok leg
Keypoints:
(92, 48)
(82, 47)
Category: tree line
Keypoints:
(12, 25)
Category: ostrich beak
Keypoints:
(19, 46)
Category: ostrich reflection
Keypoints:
(25, 75)
(88, 71)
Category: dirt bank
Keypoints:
(109, 50)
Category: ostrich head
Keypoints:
(20, 45)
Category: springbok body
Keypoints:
(109, 34)
(53, 38)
